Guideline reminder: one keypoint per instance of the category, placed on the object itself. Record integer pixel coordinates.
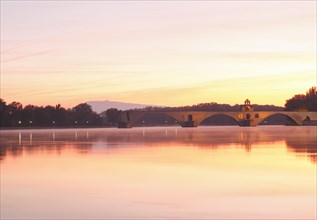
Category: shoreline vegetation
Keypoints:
(15, 116)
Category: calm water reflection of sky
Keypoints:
(205, 172)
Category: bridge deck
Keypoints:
(194, 118)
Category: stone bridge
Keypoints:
(195, 118)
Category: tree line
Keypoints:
(15, 115)
(212, 106)
(303, 102)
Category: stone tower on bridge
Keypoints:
(245, 118)
(247, 106)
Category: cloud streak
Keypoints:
(25, 56)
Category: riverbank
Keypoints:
(55, 127)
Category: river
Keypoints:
(216, 172)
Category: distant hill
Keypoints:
(100, 106)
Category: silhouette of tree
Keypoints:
(14, 114)
(311, 99)
(83, 115)
(212, 106)
(3, 113)
(60, 116)
(28, 114)
(112, 115)
(303, 102)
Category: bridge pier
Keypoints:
(188, 124)
(246, 123)
(124, 120)
(122, 124)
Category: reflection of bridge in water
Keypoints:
(247, 116)
(298, 140)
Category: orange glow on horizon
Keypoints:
(159, 53)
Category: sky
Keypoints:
(157, 52)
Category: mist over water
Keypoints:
(264, 172)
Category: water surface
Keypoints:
(266, 172)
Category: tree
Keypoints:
(14, 113)
(83, 115)
(303, 102)
(311, 99)
(28, 114)
(60, 115)
(3, 113)
(112, 115)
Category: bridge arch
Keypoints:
(145, 118)
(231, 118)
(291, 119)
